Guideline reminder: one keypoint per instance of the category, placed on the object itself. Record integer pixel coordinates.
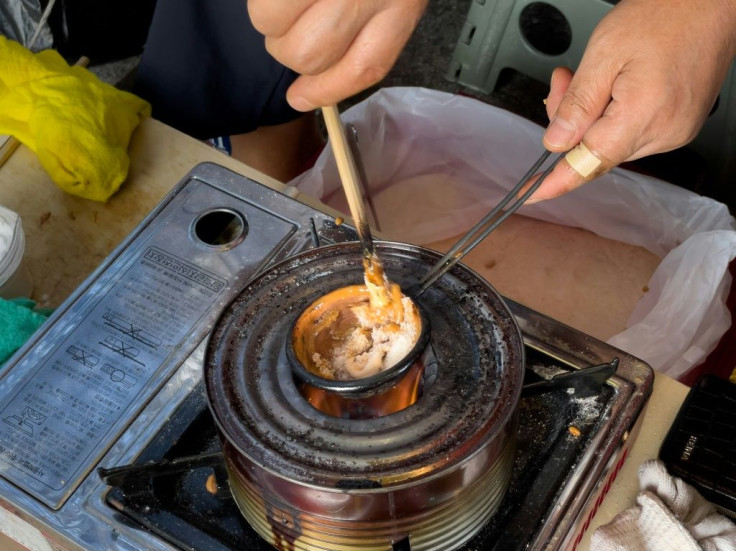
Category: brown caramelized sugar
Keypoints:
(359, 330)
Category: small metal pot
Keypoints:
(433, 473)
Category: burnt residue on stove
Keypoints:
(547, 452)
(284, 540)
(179, 509)
(292, 447)
(426, 462)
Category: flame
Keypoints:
(400, 396)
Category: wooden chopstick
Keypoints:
(8, 145)
(349, 175)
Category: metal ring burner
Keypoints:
(432, 473)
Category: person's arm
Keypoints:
(648, 78)
(339, 47)
(646, 83)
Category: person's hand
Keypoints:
(339, 47)
(646, 83)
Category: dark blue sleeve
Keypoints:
(206, 71)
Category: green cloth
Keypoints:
(18, 321)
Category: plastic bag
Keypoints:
(20, 21)
(414, 139)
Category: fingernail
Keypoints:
(536, 197)
(559, 133)
(300, 103)
(533, 198)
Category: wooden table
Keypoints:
(68, 237)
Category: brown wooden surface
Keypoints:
(66, 236)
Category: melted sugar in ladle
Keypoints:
(358, 328)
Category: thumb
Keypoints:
(584, 101)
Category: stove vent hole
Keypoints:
(220, 228)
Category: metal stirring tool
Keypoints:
(345, 155)
(489, 222)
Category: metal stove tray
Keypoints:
(85, 354)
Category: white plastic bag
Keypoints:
(414, 139)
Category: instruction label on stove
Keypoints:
(52, 425)
(91, 370)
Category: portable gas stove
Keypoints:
(106, 440)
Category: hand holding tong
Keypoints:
(489, 222)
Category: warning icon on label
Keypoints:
(26, 421)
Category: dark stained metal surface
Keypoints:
(415, 472)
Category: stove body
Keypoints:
(115, 378)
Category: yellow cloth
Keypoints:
(78, 126)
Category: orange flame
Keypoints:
(401, 395)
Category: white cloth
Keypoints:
(669, 515)
(8, 221)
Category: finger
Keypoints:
(577, 167)
(559, 83)
(612, 139)
(584, 101)
(321, 36)
(368, 59)
(273, 18)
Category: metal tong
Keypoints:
(585, 381)
(488, 223)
